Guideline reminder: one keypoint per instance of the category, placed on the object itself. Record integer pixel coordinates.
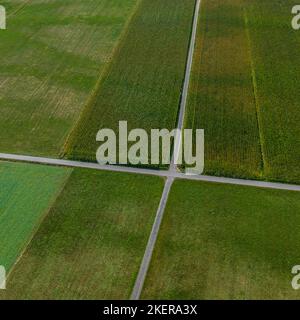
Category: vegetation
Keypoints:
(245, 89)
(226, 242)
(91, 244)
(221, 98)
(12, 6)
(144, 82)
(26, 193)
(52, 54)
(70, 68)
(274, 46)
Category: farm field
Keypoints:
(92, 242)
(275, 50)
(221, 98)
(247, 99)
(143, 85)
(73, 230)
(26, 193)
(52, 55)
(226, 242)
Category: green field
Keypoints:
(26, 194)
(92, 242)
(245, 89)
(226, 242)
(275, 52)
(221, 98)
(52, 55)
(69, 68)
(143, 85)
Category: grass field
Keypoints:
(91, 244)
(226, 242)
(52, 55)
(221, 98)
(275, 51)
(144, 82)
(26, 193)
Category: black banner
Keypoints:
(146, 309)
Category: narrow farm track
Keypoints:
(151, 172)
(139, 283)
(140, 280)
(180, 122)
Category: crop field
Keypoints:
(275, 52)
(226, 242)
(143, 85)
(221, 98)
(26, 193)
(52, 55)
(91, 244)
(74, 230)
(247, 99)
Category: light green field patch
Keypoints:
(26, 193)
(226, 242)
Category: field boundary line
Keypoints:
(255, 92)
(140, 280)
(91, 99)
